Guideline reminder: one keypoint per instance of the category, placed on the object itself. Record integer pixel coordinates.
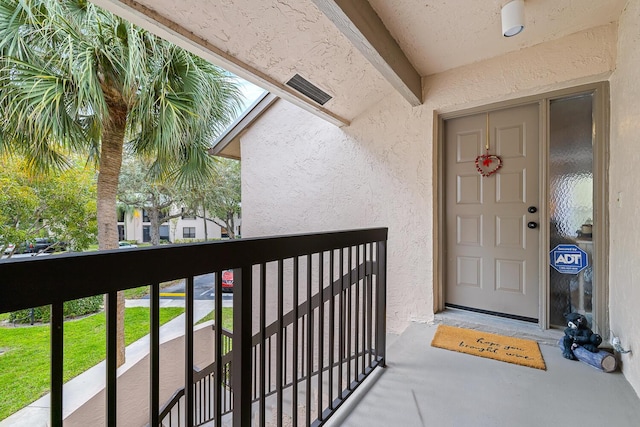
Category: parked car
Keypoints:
(227, 281)
(45, 244)
(126, 245)
(22, 248)
(36, 246)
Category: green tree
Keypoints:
(218, 200)
(62, 204)
(76, 78)
(18, 203)
(138, 190)
(69, 206)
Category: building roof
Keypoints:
(228, 143)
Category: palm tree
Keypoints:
(76, 78)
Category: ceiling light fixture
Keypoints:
(513, 18)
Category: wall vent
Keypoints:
(308, 89)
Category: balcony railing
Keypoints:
(308, 322)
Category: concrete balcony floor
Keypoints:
(428, 386)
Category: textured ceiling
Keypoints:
(439, 35)
(267, 42)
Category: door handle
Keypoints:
(532, 209)
(532, 224)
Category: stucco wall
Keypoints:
(624, 194)
(301, 174)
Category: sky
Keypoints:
(250, 91)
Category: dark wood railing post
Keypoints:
(219, 384)
(57, 346)
(263, 353)
(296, 340)
(154, 355)
(189, 401)
(280, 342)
(111, 310)
(241, 360)
(381, 299)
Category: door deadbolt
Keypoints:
(532, 224)
(532, 209)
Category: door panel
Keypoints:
(492, 255)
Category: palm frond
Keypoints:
(177, 117)
(68, 66)
(38, 103)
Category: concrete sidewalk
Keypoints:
(86, 385)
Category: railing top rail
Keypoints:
(32, 282)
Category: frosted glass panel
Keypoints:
(571, 201)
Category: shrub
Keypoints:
(210, 239)
(71, 309)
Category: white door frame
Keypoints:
(600, 93)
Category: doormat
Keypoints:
(499, 347)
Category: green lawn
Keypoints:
(24, 365)
(227, 318)
(142, 291)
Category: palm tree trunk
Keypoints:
(231, 230)
(110, 163)
(154, 218)
(204, 218)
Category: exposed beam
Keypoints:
(164, 27)
(357, 20)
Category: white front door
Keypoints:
(492, 223)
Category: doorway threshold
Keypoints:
(498, 325)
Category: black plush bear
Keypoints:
(577, 334)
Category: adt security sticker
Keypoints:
(568, 259)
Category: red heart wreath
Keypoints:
(484, 164)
